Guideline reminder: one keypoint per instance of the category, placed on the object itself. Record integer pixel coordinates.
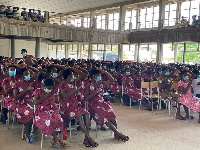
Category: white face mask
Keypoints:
(47, 90)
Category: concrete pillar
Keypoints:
(120, 52)
(68, 21)
(37, 47)
(104, 52)
(184, 52)
(161, 52)
(161, 20)
(137, 19)
(175, 45)
(136, 52)
(81, 50)
(90, 51)
(178, 12)
(46, 17)
(106, 22)
(82, 21)
(12, 40)
(66, 51)
(122, 14)
(92, 15)
(162, 4)
(77, 51)
(94, 23)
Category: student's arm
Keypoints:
(109, 77)
(7, 90)
(65, 94)
(18, 95)
(89, 96)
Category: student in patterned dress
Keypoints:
(47, 117)
(23, 90)
(70, 108)
(187, 98)
(8, 101)
(101, 112)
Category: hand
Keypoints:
(29, 88)
(98, 90)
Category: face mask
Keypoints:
(47, 90)
(12, 73)
(167, 73)
(198, 77)
(112, 70)
(104, 67)
(128, 73)
(123, 69)
(98, 79)
(55, 75)
(27, 78)
(73, 78)
(23, 54)
(185, 78)
(160, 72)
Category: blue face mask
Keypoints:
(123, 69)
(185, 78)
(27, 78)
(73, 78)
(112, 70)
(128, 73)
(160, 72)
(198, 77)
(54, 75)
(12, 73)
(104, 67)
(23, 54)
(47, 90)
(167, 73)
(98, 79)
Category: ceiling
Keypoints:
(61, 6)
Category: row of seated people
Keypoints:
(47, 84)
(32, 15)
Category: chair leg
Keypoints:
(70, 131)
(8, 120)
(130, 102)
(169, 108)
(13, 122)
(189, 114)
(96, 130)
(139, 104)
(23, 132)
(152, 105)
(42, 138)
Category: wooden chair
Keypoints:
(154, 84)
(144, 85)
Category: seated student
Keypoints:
(196, 87)
(47, 117)
(101, 111)
(165, 85)
(22, 90)
(187, 98)
(27, 58)
(70, 108)
(8, 101)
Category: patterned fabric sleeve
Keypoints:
(5, 82)
(37, 92)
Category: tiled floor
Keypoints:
(147, 131)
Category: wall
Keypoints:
(5, 48)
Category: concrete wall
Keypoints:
(5, 48)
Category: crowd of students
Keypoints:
(60, 88)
